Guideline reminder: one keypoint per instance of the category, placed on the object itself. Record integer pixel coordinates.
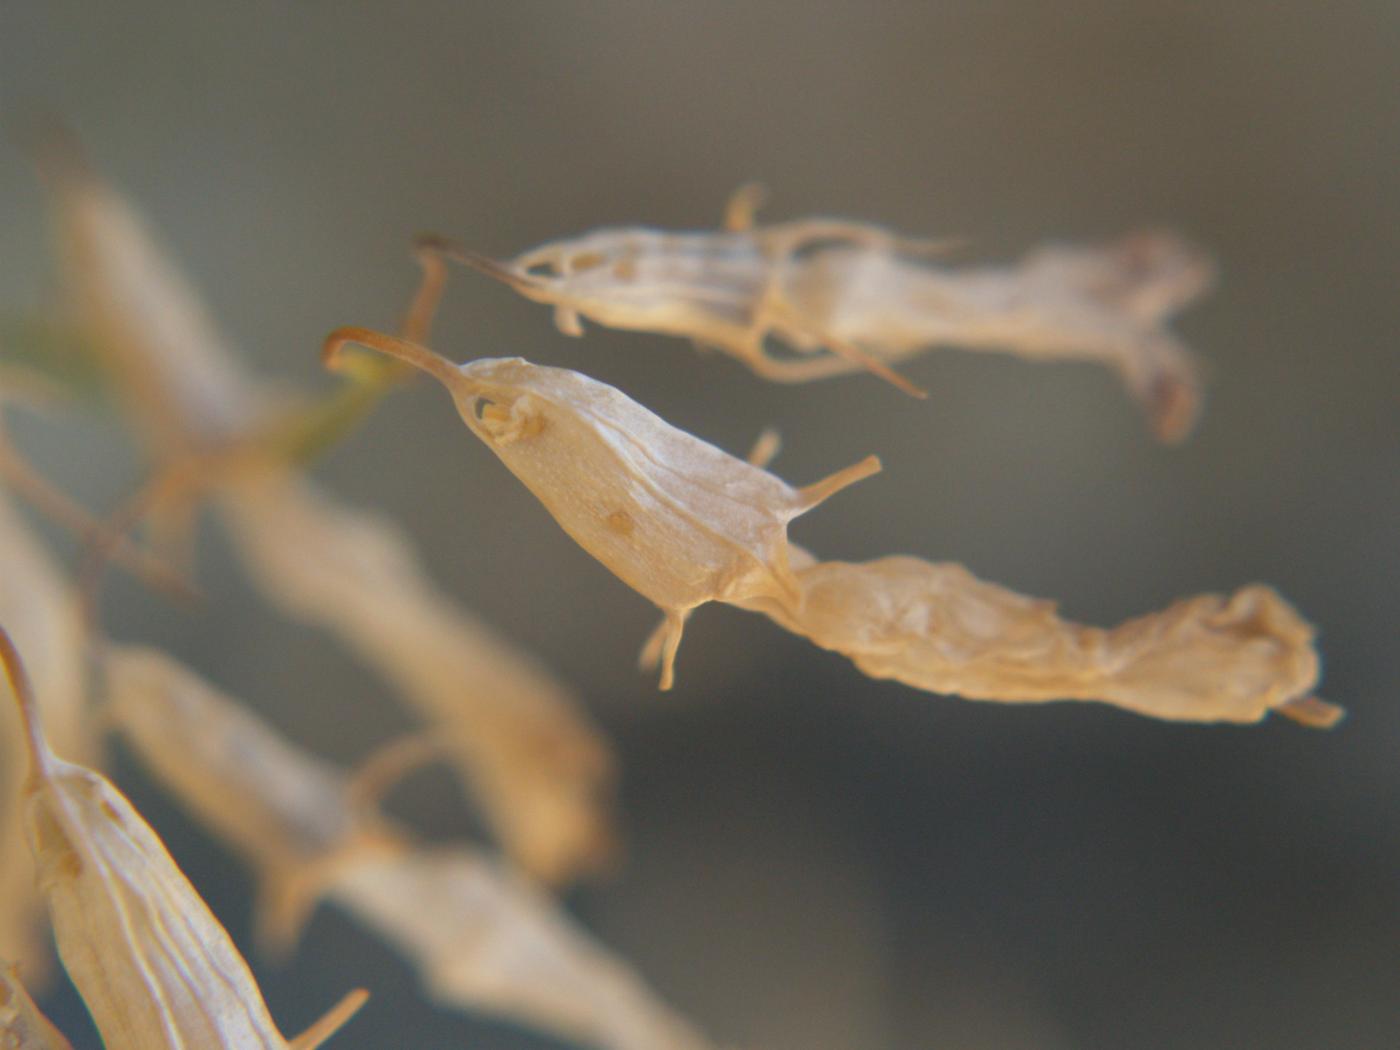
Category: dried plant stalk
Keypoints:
(674, 517)
(937, 627)
(22, 1025)
(484, 939)
(543, 775)
(845, 296)
(151, 962)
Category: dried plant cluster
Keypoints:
(678, 520)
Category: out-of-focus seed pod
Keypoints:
(153, 965)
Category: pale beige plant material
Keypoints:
(181, 384)
(843, 296)
(43, 614)
(22, 1025)
(150, 960)
(937, 627)
(484, 939)
(539, 770)
(682, 523)
(675, 518)
(543, 773)
(284, 811)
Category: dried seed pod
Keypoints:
(485, 939)
(151, 962)
(181, 386)
(937, 627)
(675, 518)
(542, 773)
(22, 1025)
(42, 612)
(846, 296)
(283, 810)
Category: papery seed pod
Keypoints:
(937, 627)
(846, 296)
(283, 810)
(151, 962)
(42, 612)
(542, 773)
(675, 518)
(22, 1025)
(180, 384)
(485, 939)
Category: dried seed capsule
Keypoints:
(283, 810)
(181, 385)
(846, 296)
(542, 773)
(42, 613)
(151, 962)
(524, 746)
(675, 518)
(937, 627)
(22, 1025)
(485, 939)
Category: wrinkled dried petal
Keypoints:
(937, 627)
(151, 962)
(542, 773)
(487, 940)
(22, 1025)
(1102, 303)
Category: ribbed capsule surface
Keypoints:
(677, 519)
(155, 968)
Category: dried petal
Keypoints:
(937, 627)
(1102, 303)
(151, 962)
(675, 518)
(542, 773)
(22, 1025)
(487, 940)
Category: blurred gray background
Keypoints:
(817, 860)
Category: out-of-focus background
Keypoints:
(816, 860)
